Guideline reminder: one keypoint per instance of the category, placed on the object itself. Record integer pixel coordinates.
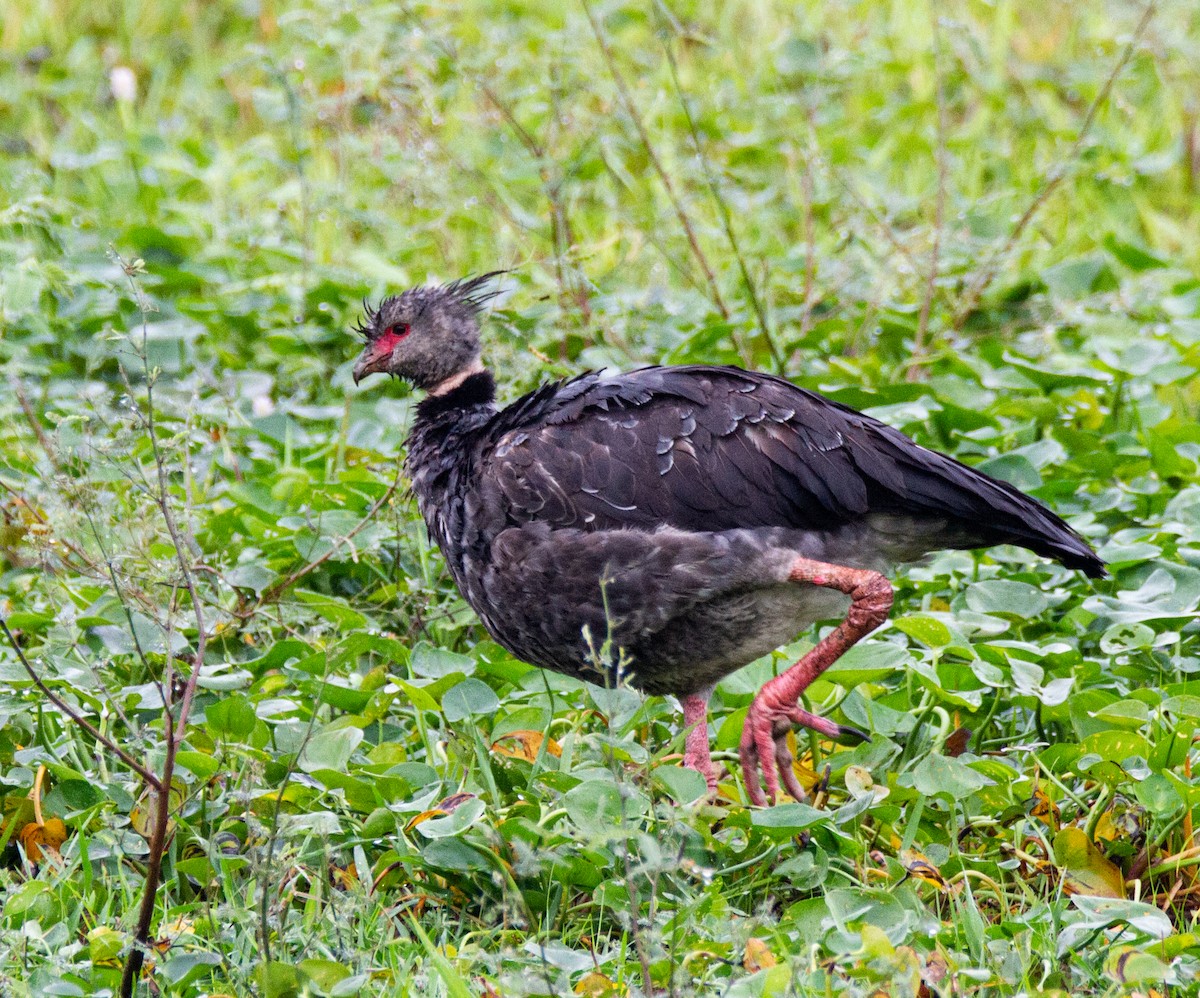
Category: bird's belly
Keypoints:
(671, 611)
(708, 642)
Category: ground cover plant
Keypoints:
(978, 222)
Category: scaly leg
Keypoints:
(775, 708)
(696, 754)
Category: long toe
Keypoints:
(785, 762)
(757, 753)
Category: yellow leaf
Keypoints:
(32, 838)
(178, 927)
(344, 877)
(525, 745)
(453, 802)
(758, 956)
(859, 781)
(595, 985)
(919, 868)
(144, 813)
(104, 946)
(55, 832)
(808, 777)
(1041, 806)
(424, 816)
(440, 809)
(1085, 869)
(1132, 965)
(40, 840)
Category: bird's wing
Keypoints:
(718, 448)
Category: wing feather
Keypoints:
(716, 448)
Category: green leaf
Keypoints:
(1018, 599)
(930, 632)
(1128, 714)
(199, 764)
(336, 611)
(937, 775)
(418, 696)
(1116, 746)
(74, 795)
(471, 697)
(254, 575)
(1133, 256)
(1121, 639)
(279, 980)
(1184, 705)
(231, 717)
(454, 823)
(330, 749)
(789, 819)
(1145, 918)
(434, 663)
(684, 785)
(1158, 795)
(867, 662)
(598, 806)
(325, 974)
(1074, 278)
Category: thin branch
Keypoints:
(988, 273)
(76, 717)
(562, 235)
(35, 424)
(723, 210)
(279, 588)
(33, 511)
(630, 109)
(939, 215)
(810, 249)
(881, 223)
(173, 728)
(117, 590)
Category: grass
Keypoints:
(980, 225)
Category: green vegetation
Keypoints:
(984, 228)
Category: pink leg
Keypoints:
(774, 710)
(696, 755)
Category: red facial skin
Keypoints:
(379, 351)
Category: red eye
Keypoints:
(397, 332)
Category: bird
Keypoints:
(668, 525)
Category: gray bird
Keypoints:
(669, 525)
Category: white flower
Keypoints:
(123, 82)
(261, 405)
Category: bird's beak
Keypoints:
(364, 366)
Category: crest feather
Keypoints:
(472, 291)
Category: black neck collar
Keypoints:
(479, 389)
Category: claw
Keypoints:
(764, 747)
(848, 734)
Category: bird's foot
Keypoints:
(703, 764)
(764, 745)
(696, 753)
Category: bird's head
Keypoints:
(428, 336)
